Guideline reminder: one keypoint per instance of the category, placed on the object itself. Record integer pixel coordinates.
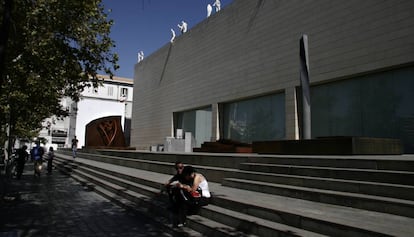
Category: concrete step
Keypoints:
(208, 227)
(215, 174)
(202, 159)
(261, 226)
(220, 230)
(146, 204)
(145, 187)
(266, 228)
(247, 223)
(116, 171)
(299, 175)
(302, 214)
(323, 218)
(377, 162)
(139, 209)
(380, 162)
(360, 201)
(369, 175)
(130, 200)
(353, 186)
(379, 170)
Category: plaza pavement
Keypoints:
(55, 205)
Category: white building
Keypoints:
(113, 98)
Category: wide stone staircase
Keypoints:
(261, 195)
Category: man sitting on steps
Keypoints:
(170, 185)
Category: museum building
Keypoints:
(235, 75)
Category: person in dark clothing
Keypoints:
(36, 154)
(173, 191)
(179, 166)
(74, 146)
(22, 157)
(50, 157)
(170, 185)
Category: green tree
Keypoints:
(55, 49)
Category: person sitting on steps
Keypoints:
(170, 185)
(192, 195)
(172, 190)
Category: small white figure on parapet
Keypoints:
(140, 56)
(209, 10)
(183, 27)
(217, 4)
(172, 35)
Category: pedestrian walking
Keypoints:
(37, 156)
(50, 157)
(22, 157)
(74, 146)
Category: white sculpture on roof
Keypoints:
(209, 10)
(172, 35)
(183, 27)
(140, 56)
(217, 4)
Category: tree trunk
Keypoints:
(4, 36)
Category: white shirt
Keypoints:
(205, 192)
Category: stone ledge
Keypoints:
(331, 146)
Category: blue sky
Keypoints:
(145, 25)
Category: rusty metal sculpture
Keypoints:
(105, 133)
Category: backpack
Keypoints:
(36, 153)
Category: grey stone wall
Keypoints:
(251, 48)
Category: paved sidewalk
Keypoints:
(55, 205)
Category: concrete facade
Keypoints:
(251, 48)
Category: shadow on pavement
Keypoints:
(55, 205)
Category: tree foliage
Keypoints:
(55, 49)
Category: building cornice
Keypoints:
(116, 80)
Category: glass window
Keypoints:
(376, 105)
(110, 91)
(257, 119)
(124, 92)
(198, 122)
